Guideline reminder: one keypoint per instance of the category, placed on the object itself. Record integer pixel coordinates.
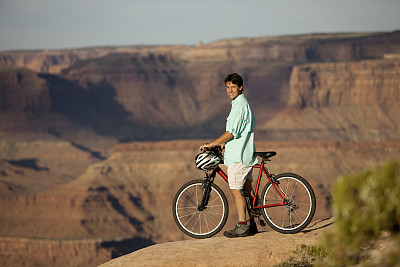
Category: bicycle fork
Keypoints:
(206, 193)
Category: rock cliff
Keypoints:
(341, 101)
(71, 184)
(361, 83)
(153, 93)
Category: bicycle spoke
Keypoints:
(197, 200)
(298, 216)
(213, 206)
(191, 197)
(187, 203)
(303, 204)
(190, 218)
(215, 199)
(199, 219)
(195, 224)
(213, 213)
(189, 214)
(206, 221)
(294, 190)
(186, 207)
(210, 217)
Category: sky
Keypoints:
(62, 24)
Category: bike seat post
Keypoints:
(263, 161)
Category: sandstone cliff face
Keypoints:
(26, 107)
(34, 166)
(42, 252)
(363, 83)
(22, 90)
(151, 88)
(343, 101)
(147, 93)
(53, 61)
(300, 48)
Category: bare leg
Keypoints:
(240, 204)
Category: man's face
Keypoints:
(233, 90)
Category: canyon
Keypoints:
(94, 142)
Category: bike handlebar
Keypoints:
(215, 149)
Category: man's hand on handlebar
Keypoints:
(204, 147)
(210, 147)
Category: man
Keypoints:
(239, 148)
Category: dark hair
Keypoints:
(235, 79)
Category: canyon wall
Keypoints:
(42, 252)
(84, 170)
(352, 101)
(175, 92)
(361, 83)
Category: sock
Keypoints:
(242, 223)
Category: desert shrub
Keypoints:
(364, 205)
(305, 256)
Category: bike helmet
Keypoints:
(207, 161)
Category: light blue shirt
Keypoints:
(240, 123)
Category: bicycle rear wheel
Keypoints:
(192, 221)
(300, 208)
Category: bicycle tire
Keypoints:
(300, 210)
(195, 223)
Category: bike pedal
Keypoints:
(261, 222)
(255, 213)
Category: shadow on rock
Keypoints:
(28, 163)
(126, 246)
(318, 225)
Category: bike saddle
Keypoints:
(265, 155)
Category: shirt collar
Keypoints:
(237, 98)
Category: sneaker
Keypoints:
(238, 231)
(253, 228)
(230, 232)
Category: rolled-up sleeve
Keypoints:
(236, 122)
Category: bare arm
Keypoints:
(220, 141)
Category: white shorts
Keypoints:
(238, 174)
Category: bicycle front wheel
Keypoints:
(300, 205)
(192, 221)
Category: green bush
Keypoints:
(305, 256)
(364, 205)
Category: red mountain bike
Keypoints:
(287, 202)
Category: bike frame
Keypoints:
(261, 171)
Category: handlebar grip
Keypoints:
(213, 149)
